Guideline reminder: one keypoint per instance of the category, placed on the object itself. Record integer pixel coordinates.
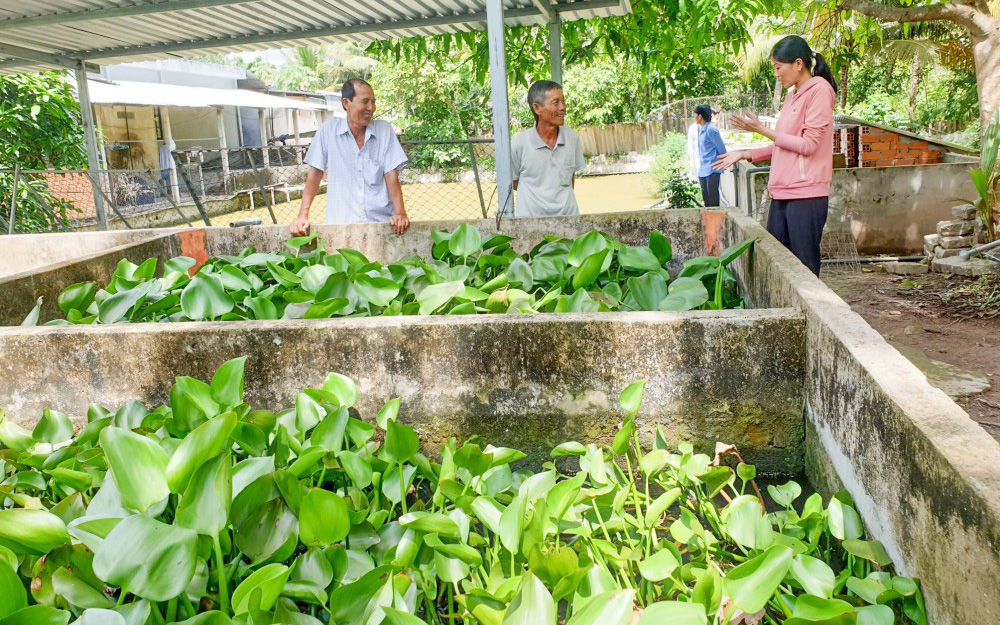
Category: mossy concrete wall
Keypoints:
(925, 477)
(528, 382)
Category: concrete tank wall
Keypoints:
(923, 474)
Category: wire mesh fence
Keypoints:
(70, 199)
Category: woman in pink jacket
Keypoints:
(802, 153)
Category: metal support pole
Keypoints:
(475, 172)
(90, 138)
(266, 158)
(297, 134)
(555, 49)
(223, 147)
(13, 198)
(501, 110)
(168, 138)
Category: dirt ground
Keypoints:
(951, 319)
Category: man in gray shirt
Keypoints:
(545, 158)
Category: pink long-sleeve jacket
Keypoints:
(802, 153)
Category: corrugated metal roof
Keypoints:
(157, 94)
(48, 34)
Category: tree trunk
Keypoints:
(914, 86)
(987, 55)
(776, 99)
(844, 75)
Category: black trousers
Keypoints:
(798, 224)
(710, 189)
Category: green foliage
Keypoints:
(987, 178)
(668, 173)
(39, 128)
(465, 275)
(465, 535)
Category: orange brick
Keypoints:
(881, 147)
(919, 145)
(885, 162)
(906, 161)
(867, 162)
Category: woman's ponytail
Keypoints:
(821, 69)
(793, 47)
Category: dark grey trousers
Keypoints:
(710, 189)
(798, 224)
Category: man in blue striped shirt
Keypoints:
(711, 146)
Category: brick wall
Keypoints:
(75, 188)
(882, 148)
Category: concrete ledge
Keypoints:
(30, 252)
(924, 476)
(529, 382)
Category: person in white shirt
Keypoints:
(693, 151)
(363, 157)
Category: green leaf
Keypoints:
(875, 615)
(435, 296)
(13, 596)
(585, 246)
(532, 605)
(204, 443)
(660, 505)
(734, 251)
(785, 494)
(708, 591)
(204, 507)
(843, 520)
(431, 523)
(138, 466)
(674, 613)
(78, 593)
(747, 524)
(283, 276)
(100, 616)
(562, 496)
(147, 558)
(869, 550)
(296, 243)
(465, 241)
(519, 274)
(323, 518)
(648, 290)
(343, 388)
(378, 291)
(571, 448)
(227, 383)
(815, 576)
(638, 258)
(660, 246)
(589, 269)
(204, 298)
(54, 427)
(401, 442)
(613, 608)
(659, 566)
(114, 308)
(751, 584)
(812, 608)
(37, 615)
(262, 587)
(631, 398)
(389, 412)
(684, 294)
(77, 296)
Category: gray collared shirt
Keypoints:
(356, 190)
(544, 174)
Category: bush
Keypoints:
(669, 156)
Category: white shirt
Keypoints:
(356, 191)
(693, 150)
(545, 175)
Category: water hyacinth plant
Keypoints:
(465, 275)
(205, 511)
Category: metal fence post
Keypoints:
(263, 191)
(13, 198)
(475, 173)
(194, 196)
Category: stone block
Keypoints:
(901, 268)
(955, 228)
(973, 267)
(940, 252)
(964, 212)
(953, 243)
